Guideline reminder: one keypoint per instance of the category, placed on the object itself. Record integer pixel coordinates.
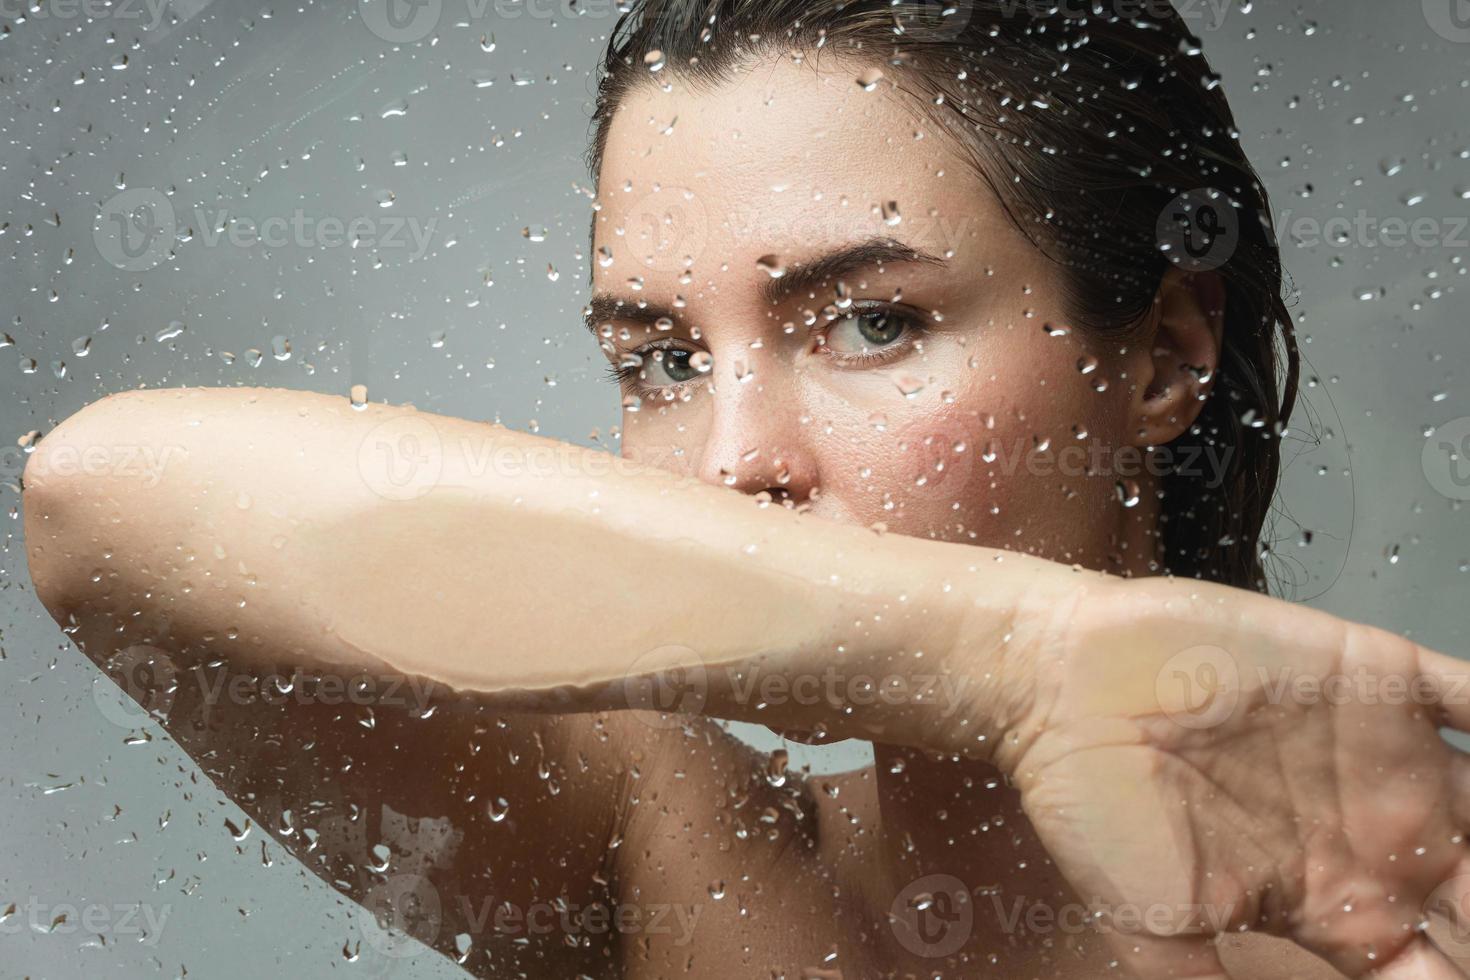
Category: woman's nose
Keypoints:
(758, 442)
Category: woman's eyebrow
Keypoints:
(799, 278)
(605, 307)
(806, 276)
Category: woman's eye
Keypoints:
(865, 331)
(672, 366)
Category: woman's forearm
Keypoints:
(276, 525)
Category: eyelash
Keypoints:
(915, 329)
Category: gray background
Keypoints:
(1347, 107)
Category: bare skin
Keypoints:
(1048, 763)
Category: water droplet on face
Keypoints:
(663, 323)
(654, 60)
(891, 215)
(1128, 492)
(497, 809)
(869, 79)
(1086, 364)
(702, 361)
(910, 385)
(771, 266)
(717, 890)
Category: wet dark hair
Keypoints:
(1088, 119)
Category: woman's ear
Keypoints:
(1176, 369)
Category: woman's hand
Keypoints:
(1202, 761)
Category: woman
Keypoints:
(884, 268)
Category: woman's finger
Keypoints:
(1447, 912)
(1451, 676)
(1420, 960)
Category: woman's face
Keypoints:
(829, 305)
